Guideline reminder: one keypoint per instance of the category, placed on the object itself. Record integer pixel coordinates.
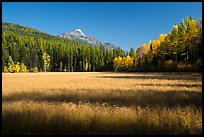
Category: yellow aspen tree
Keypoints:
(117, 63)
(5, 69)
(128, 62)
(162, 37)
(23, 68)
(17, 67)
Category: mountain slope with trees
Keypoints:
(28, 31)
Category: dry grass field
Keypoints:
(101, 103)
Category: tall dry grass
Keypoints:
(102, 103)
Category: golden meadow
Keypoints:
(101, 103)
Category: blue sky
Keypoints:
(123, 24)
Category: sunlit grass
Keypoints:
(102, 103)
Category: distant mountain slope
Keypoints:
(110, 45)
(78, 35)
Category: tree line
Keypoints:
(179, 50)
(48, 55)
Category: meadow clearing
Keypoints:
(101, 103)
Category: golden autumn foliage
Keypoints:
(117, 63)
(155, 44)
(17, 67)
(192, 29)
(182, 44)
(5, 69)
(161, 37)
(23, 68)
(175, 27)
(127, 62)
(142, 50)
(11, 68)
(123, 63)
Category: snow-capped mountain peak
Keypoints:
(78, 35)
(77, 32)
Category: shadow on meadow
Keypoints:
(142, 98)
(171, 85)
(162, 76)
(35, 121)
